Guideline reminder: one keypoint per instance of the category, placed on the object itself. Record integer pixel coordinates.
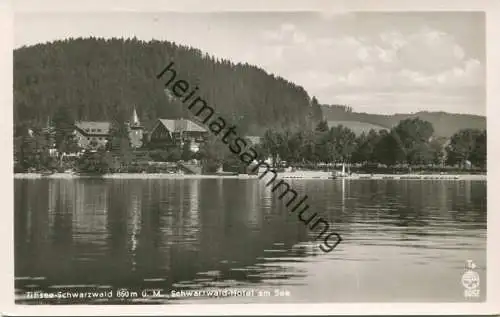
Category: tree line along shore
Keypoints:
(409, 147)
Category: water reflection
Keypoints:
(194, 234)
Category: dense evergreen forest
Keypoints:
(98, 79)
(445, 124)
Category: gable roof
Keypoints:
(181, 125)
(93, 127)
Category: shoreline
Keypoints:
(294, 175)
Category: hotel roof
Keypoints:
(93, 127)
(181, 125)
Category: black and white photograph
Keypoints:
(249, 157)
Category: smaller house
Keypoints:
(177, 132)
(91, 134)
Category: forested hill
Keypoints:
(98, 79)
(444, 124)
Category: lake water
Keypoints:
(403, 240)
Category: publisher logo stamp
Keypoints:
(470, 280)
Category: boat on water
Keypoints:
(89, 174)
(220, 172)
(340, 174)
(46, 173)
(223, 173)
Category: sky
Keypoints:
(375, 62)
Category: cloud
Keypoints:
(467, 74)
(471, 73)
(354, 65)
(430, 51)
(287, 33)
(423, 58)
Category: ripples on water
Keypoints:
(402, 240)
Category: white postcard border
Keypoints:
(491, 8)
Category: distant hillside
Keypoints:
(99, 79)
(356, 126)
(445, 124)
